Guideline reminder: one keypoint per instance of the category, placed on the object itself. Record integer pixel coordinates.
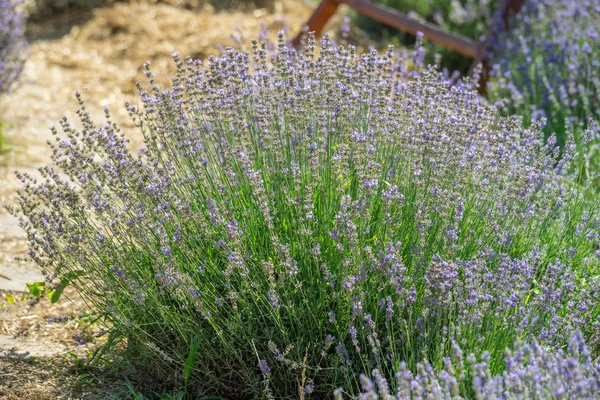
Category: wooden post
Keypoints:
(318, 19)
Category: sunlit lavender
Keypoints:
(548, 66)
(12, 44)
(299, 218)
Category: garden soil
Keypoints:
(99, 52)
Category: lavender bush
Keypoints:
(12, 44)
(532, 372)
(548, 66)
(295, 220)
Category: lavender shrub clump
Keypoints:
(302, 217)
(532, 372)
(12, 44)
(548, 66)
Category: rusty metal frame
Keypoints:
(394, 18)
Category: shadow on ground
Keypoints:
(51, 378)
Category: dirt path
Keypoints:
(101, 56)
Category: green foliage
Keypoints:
(191, 360)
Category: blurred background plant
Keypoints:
(13, 45)
(548, 66)
(13, 49)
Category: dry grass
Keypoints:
(112, 46)
(29, 322)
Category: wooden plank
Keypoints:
(318, 19)
(509, 9)
(396, 19)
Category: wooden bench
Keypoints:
(477, 50)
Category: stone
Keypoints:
(9, 227)
(23, 348)
(15, 278)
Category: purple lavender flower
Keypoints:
(273, 299)
(265, 370)
(531, 369)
